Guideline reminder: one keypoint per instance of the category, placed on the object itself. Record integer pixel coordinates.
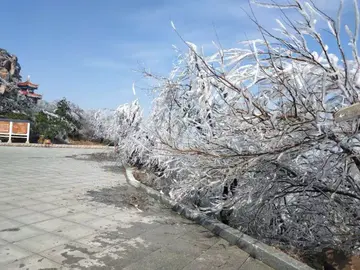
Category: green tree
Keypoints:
(63, 109)
(50, 127)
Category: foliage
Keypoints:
(72, 117)
(50, 127)
(66, 110)
(13, 102)
(63, 108)
(61, 119)
(12, 115)
(117, 125)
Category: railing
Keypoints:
(10, 128)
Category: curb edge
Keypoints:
(55, 146)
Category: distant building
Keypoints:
(28, 89)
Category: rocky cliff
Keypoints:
(10, 100)
(9, 72)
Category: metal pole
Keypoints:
(28, 133)
(10, 131)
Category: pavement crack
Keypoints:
(10, 230)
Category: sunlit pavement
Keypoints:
(48, 220)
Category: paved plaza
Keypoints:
(65, 209)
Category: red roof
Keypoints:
(28, 83)
(34, 95)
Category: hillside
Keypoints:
(9, 71)
(59, 121)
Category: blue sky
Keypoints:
(88, 50)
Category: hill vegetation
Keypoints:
(58, 121)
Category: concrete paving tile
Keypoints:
(103, 211)
(182, 246)
(81, 207)
(25, 202)
(60, 212)
(16, 212)
(102, 224)
(54, 224)
(6, 206)
(200, 235)
(4, 193)
(70, 253)
(81, 217)
(68, 195)
(3, 242)
(125, 216)
(75, 231)
(66, 203)
(221, 256)
(162, 259)
(136, 229)
(252, 264)
(33, 218)
(42, 242)
(36, 195)
(58, 186)
(20, 233)
(9, 253)
(48, 199)
(54, 192)
(158, 240)
(21, 192)
(9, 224)
(102, 240)
(121, 255)
(202, 264)
(173, 229)
(34, 262)
(41, 207)
(162, 232)
(11, 198)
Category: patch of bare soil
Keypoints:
(114, 169)
(122, 196)
(99, 157)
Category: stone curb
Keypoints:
(55, 146)
(258, 250)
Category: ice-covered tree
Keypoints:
(117, 125)
(248, 134)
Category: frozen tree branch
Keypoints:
(248, 134)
